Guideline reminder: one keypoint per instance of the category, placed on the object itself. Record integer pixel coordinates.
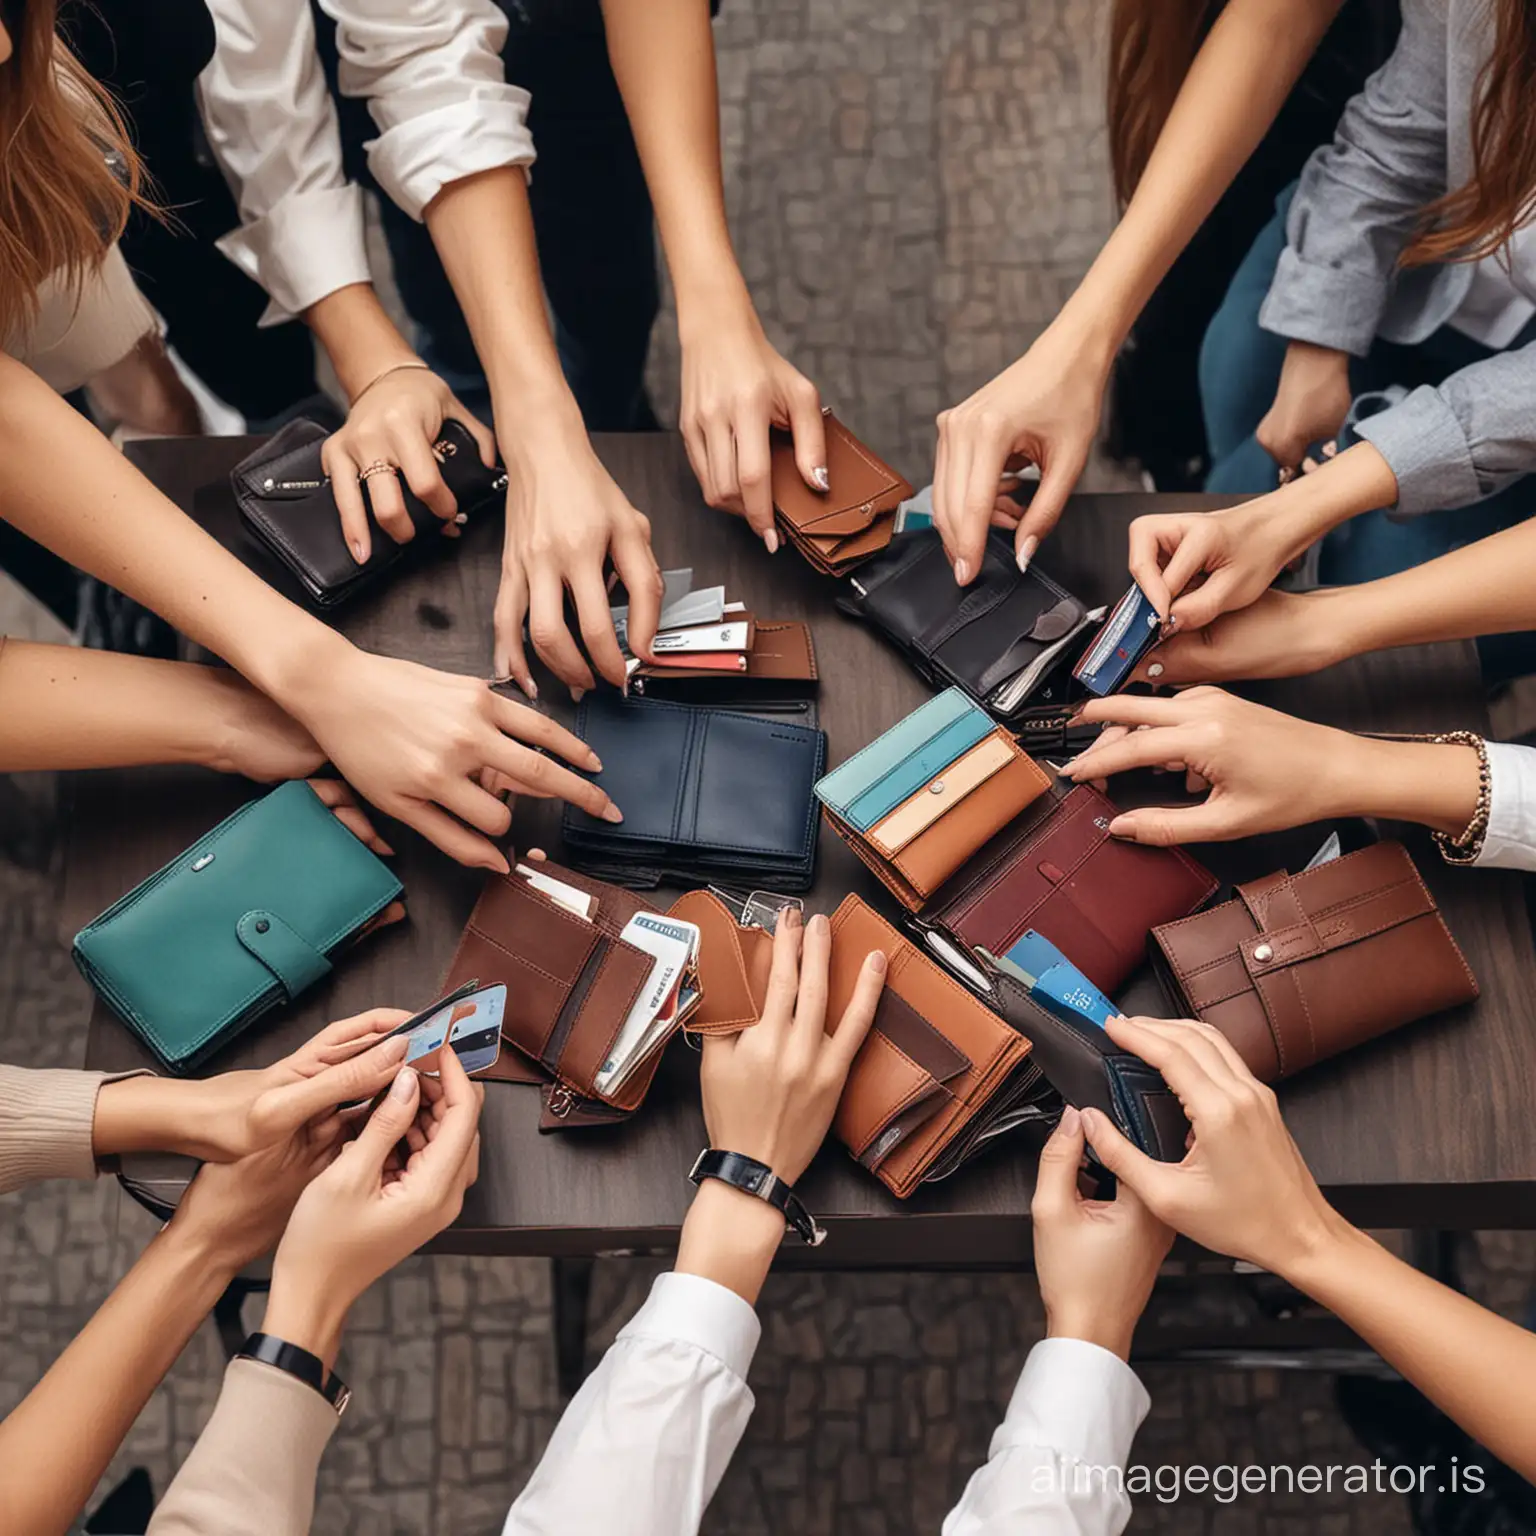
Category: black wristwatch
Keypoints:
(293, 1361)
(755, 1178)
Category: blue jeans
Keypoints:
(1240, 366)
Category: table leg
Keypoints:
(571, 1283)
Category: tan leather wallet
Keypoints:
(837, 528)
(938, 1077)
(570, 982)
(781, 651)
(1301, 967)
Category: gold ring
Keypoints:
(378, 467)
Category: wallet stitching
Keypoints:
(806, 647)
(994, 874)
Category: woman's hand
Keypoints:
(416, 743)
(736, 387)
(1242, 1189)
(1096, 1260)
(1043, 410)
(366, 1211)
(565, 518)
(395, 421)
(1310, 405)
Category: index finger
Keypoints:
(1145, 546)
(1150, 748)
(636, 564)
(526, 724)
(347, 1037)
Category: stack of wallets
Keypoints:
(709, 794)
(853, 518)
(1004, 639)
(598, 981)
(705, 643)
(922, 798)
(940, 1077)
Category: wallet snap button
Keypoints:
(1263, 953)
(937, 787)
(262, 925)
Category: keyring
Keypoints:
(378, 467)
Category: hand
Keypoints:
(1045, 410)
(1243, 1189)
(1279, 634)
(771, 1091)
(735, 387)
(1097, 1260)
(565, 517)
(396, 420)
(1310, 405)
(228, 1117)
(416, 742)
(237, 1211)
(362, 1215)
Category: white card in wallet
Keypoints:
(563, 895)
(673, 950)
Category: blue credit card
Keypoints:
(470, 1025)
(1059, 985)
(1127, 635)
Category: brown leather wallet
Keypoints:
(570, 982)
(837, 528)
(781, 651)
(1059, 872)
(938, 1077)
(1301, 967)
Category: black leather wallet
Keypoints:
(1001, 639)
(707, 795)
(1090, 1071)
(286, 503)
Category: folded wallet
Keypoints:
(781, 652)
(1001, 638)
(1058, 871)
(570, 983)
(1301, 967)
(244, 920)
(837, 528)
(939, 1076)
(707, 795)
(285, 501)
(920, 799)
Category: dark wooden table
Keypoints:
(1433, 1127)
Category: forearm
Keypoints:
(98, 1386)
(88, 505)
(1293, 518)
(1433, 785)
(1237, 84)
(1471, 1363)
(360, 339)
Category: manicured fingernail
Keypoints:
(771, 541)
(612, 813)
(384, 848)
(1071, 1121)
(878, 962)
(1027, 551)
(820, 925)
(1155, 670)
(357, 550)
(821, 477)
(577, 695)
(1169, 624)
(461, 518)
(529, 687)
(962, 572)
(394, 1050)
(594, 762)
(1121, 826)
(405, 1084)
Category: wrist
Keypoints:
(358, 336)
(1109, 1329)
(1426, 782)
(206, 1247)
(299, 670)
(730, 1237)
(145, 1114)
(302, 1315)
(535, 419)
(1316, 1250)
(716, 299)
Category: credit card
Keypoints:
(1058, 984)
(672, 945)
(734, 636)
(471, 1026)
(1128, 632)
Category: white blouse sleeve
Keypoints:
(1510, 842)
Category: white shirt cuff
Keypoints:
(1510, 841)
(1077, 1400)
(307, 247)
(415, 159)
(690, 1310)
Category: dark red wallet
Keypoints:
(1058, 871)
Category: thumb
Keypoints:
(389, 1122)
(808, 426)
(1060, 1158)
(1135, 1169)
(1058, 479)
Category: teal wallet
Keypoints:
(244, 920)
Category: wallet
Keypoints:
(837, 528)
(1000, 638)
(570, 984)
(1058, 871)
(939, 1077)
(244, 920)
(780, 652)
(708, 794)
(1298, 968)
(285, 501)
(920, 799)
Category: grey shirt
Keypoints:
(1405, 140)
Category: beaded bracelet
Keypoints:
(1468, 847)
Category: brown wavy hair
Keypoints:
(69, 174)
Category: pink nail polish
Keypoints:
(822, 478)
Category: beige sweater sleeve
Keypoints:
(45, 1124)
(253, 1469)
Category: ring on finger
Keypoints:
(378, 467)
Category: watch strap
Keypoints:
(755, 1178)
(300, 1363)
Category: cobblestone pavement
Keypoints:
(913, 188)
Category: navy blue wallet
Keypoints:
(708, 794)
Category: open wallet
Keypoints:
(779, 652)
(1001, 638)
(939, 1077)
(855, 518)
(573, 981)
(708, 793)
(286, 503)
(1057, 871)
(1297, 968)
(920, 799)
